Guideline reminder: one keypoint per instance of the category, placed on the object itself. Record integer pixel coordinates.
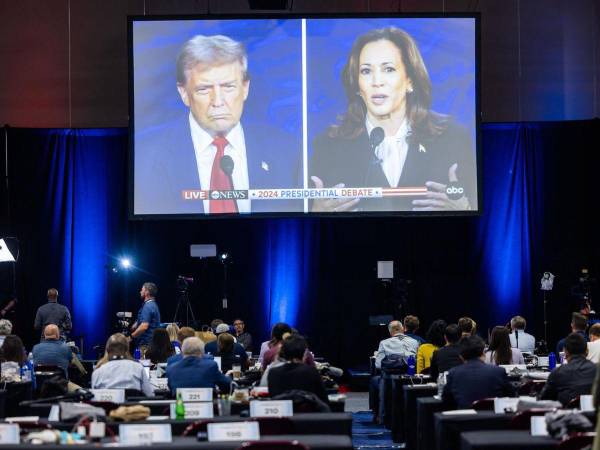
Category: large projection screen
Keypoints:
(287, 116)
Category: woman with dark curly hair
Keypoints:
(389, 136)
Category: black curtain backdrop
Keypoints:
(68, 207)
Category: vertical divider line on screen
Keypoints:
(304, 117)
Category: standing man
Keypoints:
(53, 313)
(211, 147)
(148, 317)
(243, 337)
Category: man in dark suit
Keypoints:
(474, 380)
(573, 379)
(194, 371)
(209, 149)
(448, 356)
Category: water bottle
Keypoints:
(441, 383)
(179, 407)
(25, 373)
(412, 365)
(137, 353)
(551, 360)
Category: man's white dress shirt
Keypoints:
(205, 155)
(392, 152)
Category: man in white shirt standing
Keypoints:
(594, 344)
(519, 338)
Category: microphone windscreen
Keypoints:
(376, 137)
(227, 165)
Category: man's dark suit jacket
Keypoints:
(296, 376)
(352, 162)
(195, 372)
(165, 165)
(570, 380)
(445, 359)
(475, 380)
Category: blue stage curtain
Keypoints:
(509, 230)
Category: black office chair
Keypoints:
(15, 394)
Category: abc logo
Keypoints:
(214, 195)
(454, 191)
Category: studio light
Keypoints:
(224, 256)
(125, 263)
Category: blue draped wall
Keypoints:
(69, 204)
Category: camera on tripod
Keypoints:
(124, 322)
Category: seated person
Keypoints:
(474, 380)
(52, 350)
(500, 352)
(468, 327)
(277, 332)
(243, 337)
(182, 335)
(172, 330)
(121, 371)
(435, 340)
(578, 325)
(519, 338)
(573, 379)
(411, 325)
(213, 347)
(294, 374)
(225, 350)
(448, 356)
(14, 359)
(594, 344)
(5, 329)
(160, 347)
(396, 349)
(194, 371)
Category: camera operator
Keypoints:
(148, 317)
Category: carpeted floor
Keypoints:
(365, 434)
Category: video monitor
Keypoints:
(317, 115)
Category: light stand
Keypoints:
(547, 283)
(183, 301)
(225, 261)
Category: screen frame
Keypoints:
(289, 15)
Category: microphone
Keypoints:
(227, 164)
(376, 137)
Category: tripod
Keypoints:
(183, 303)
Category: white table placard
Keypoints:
(108, 395)
(586, 403)
(54, 414)
(195, 410)
(195, 394)
(501, 404)
(9, 434)
(538, 426)
(24, 419)
(271, 408)
(233, 431)
(459, 412)
(145, 434)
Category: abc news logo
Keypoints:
(229, 195)
(454, 191)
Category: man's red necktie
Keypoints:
(220, 181)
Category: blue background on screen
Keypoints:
(274, 62)
(447, 46)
